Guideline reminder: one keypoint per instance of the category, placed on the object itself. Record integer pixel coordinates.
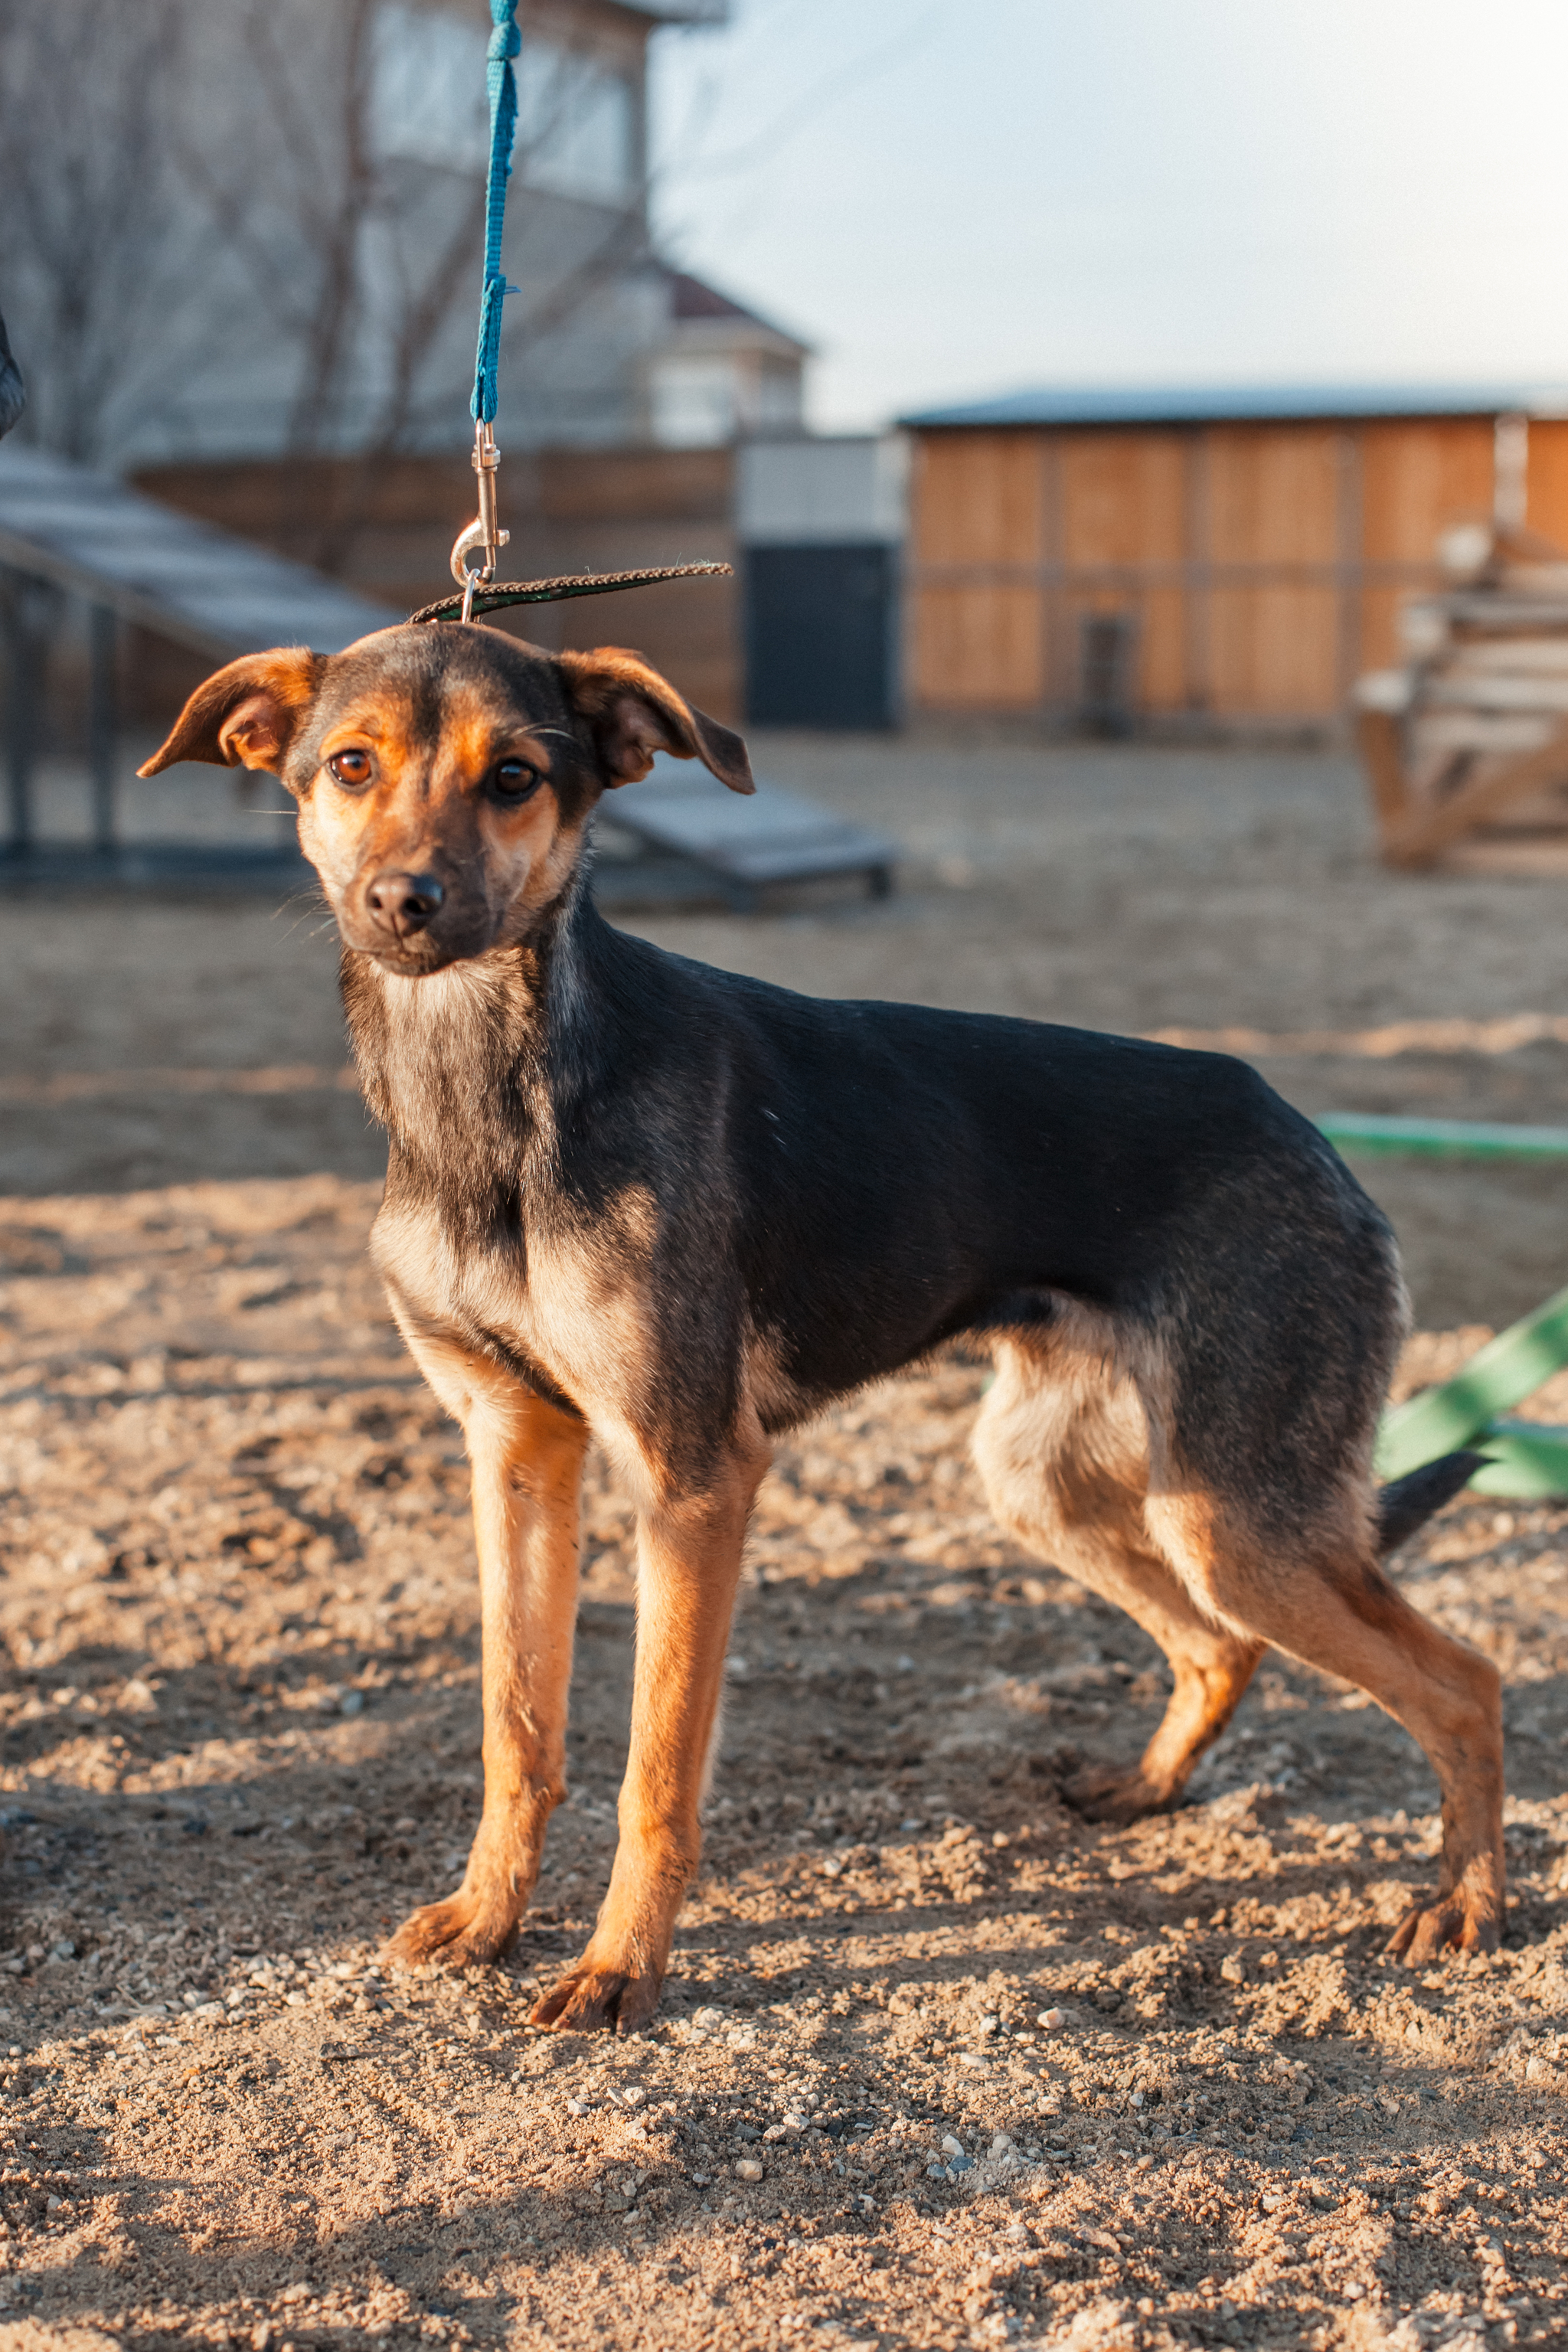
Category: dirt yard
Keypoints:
(939, 2066)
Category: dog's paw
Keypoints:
(1459, 1921)
(592, 2001)
(459, 1932)
(1117, 1798)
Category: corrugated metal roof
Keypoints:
(1245, 404)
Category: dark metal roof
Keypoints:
(1245, 404)
(693, 298)
(682, 12)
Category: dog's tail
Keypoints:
(1408, 1502)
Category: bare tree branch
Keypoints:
(90, 246)
(209, 240)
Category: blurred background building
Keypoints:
(1229, 559)
(245, 230)
(240, 254)
(240, 257)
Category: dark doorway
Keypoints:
(820, 633)
(1108, 660)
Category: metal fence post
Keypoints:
(22, 714)
(103, 728)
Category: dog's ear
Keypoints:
(634, 713)
(245, 716)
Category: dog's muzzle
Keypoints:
(399, 904)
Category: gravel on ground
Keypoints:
(939, 2066)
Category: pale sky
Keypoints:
(959, 198)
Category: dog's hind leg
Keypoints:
(526, 1458)
(1320, 1595)
(1062, 1446)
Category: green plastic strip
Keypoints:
(1528, 1461)
(1497, 1377)
(1445, 1139)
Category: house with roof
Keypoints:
(277, 215)
(721, 373)
(268, 222)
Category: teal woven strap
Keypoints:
(500, 81)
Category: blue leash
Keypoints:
(500, 81)
(484, 536)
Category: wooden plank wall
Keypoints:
(1264, 563)
(387, 530)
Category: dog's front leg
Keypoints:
(527, 1466)
(690, 1565)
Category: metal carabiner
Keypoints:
(468, 575)
(483, 531)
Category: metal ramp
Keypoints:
(131, 559)
(696, 834)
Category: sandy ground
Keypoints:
(938, 2066)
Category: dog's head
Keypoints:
(445, 775)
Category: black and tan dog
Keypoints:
(681, 1211)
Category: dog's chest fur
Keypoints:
(547, 1306)
(477, 1241)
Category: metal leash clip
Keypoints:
(482, 533)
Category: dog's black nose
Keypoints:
(403, 903)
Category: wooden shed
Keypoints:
(1224, 558)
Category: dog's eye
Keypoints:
(513, 779)
(350, 768)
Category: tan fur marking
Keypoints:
(1063, 1445)
(246, 715)
(689, 1568)
(1337, 1610)
(527, 1460)
(423, 812)
(585, 1326)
